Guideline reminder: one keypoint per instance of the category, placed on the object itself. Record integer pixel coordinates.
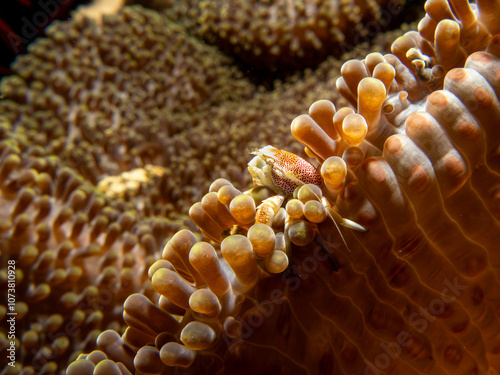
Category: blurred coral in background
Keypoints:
(281, 35)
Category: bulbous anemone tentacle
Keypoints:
(423, 283)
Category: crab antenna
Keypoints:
(253, 150)
(336, 218)
(334, 215)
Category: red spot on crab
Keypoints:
(291, 171)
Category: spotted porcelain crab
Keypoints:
(284, 172)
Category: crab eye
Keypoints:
(270, 161)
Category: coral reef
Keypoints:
(410, 153)
(137, 90)
(89, 104)
(283, 35)
(78, 255)
(414, 161)
(135, 69)
(100, 95)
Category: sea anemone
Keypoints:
(89, 109)
(414, 163)
(76, 255)
(98, 96)
(283, 35)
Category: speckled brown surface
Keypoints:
(281, 35)
(92, 102)
(416, 294)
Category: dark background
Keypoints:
(22, 21)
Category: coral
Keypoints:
(78, 255)
(415, 163)
(97, 9)
(90, 103)
(138, 91)
(98, 96)
(281, 34)
(132, 183)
